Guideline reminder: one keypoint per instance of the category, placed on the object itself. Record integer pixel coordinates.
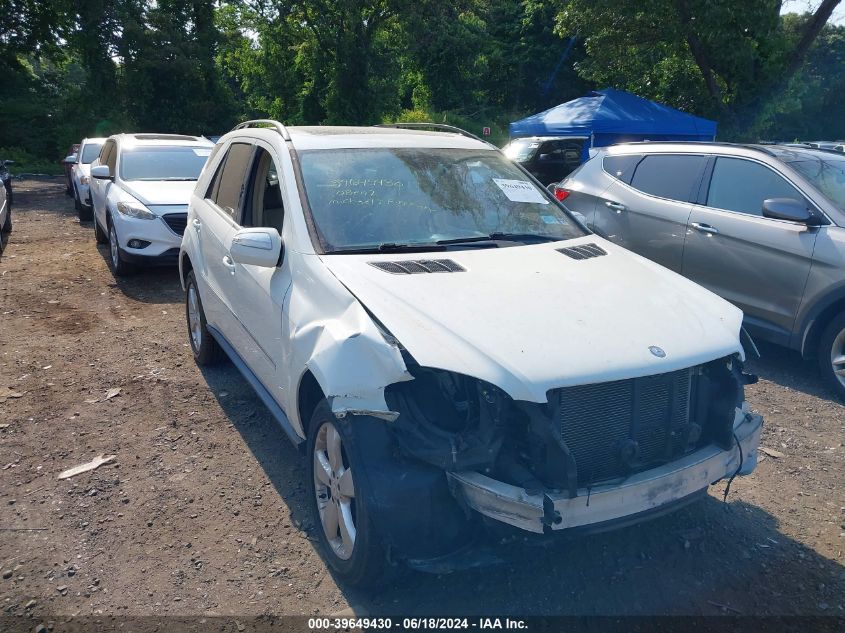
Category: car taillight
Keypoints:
(561, 193)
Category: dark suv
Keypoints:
(548, 158)
(761, 225)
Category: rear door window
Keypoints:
(621, 167)
(741, 185)
(230, 181)
(669, 176)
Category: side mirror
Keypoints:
(787, 209)
(259, 246)
(101, 172)
(70, 159)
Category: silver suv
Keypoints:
(760, 225)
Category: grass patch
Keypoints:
(26, 163)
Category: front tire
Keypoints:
(119, 266)
(339, 502)
(99, 234)
(832, 355)
(205, 349)
(7, 223)
(85, 213)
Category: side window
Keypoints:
(230, 181)
(264, 205)
(111, 161)
(668, 175)
(106, 152)
(742, 185)
(621, 167)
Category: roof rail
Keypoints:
(281, 129)
(439, 127)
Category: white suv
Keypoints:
(80, 175)
(140, 186)
(447, 342)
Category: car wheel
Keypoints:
(832, 355)
(119, 267)
(7, 224)
(339, 503)
(99, 234)
(205, 348)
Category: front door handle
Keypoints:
(616, 206)
(196, 224)
(229, 264)
(705, 228)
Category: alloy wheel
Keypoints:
(335, 491)
(837, 357)
(194, 323)
(113, 248)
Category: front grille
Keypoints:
(176, 221)
(616, 428)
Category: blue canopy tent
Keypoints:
(614, 116)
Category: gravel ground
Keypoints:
(203, 512)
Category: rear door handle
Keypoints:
(229, 264)
(616, 206)
(705, 228)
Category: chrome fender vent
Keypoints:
(583, 251)
(416, 266)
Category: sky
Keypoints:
(803, 6)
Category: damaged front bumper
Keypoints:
(640, 493)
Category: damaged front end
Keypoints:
(591, 454)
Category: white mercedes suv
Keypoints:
(450, 347)
(140, 186)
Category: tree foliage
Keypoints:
(75, 68)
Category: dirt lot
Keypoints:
(203, 511)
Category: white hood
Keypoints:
(528, 318)
(160, 192)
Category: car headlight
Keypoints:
(135, 210)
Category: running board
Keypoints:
(259, 388)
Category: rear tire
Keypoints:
(7, 224)
(119, 266)
(832, 355)
(205, 349)
(350, 544)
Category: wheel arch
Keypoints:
(185, 266)
(308, 396)
(816, 321)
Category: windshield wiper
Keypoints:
(389, 247)
(501, 237)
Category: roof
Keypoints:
(162, 140)
(786, 152)
(611, 111)
(342, 137)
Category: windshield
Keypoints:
(90, 152)
(163, 163)
(363, 198)
(521, 150)
(827, 174)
